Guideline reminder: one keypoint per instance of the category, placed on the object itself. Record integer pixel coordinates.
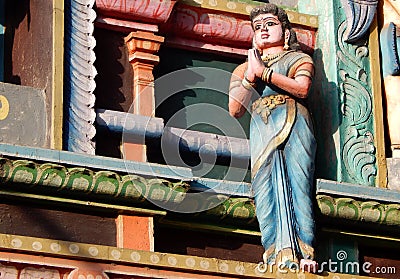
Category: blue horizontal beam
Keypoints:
(97, 162)
(357, 191)
(136, 128)
(233, 188)
(131, 125)
(124, 166)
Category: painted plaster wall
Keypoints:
(29, 47)
(23, 115)
(28, 50)
(291, 4)
(32, 220)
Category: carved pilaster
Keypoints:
(358, 150)
(358, 131)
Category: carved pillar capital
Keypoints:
(143, 46)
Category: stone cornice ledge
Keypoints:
(81, 186)
(46, 181)
(358, 203)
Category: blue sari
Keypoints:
(282, 161)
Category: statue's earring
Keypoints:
(287, 37)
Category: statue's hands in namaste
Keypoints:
(255, 66)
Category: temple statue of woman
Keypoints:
(282, 142)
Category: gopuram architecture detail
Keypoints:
(119, 157)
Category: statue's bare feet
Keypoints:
(308, 266)
(265, 257)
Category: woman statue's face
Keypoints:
(267, 31)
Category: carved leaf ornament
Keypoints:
(359, 14)
(358, 150)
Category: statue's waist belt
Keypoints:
(268, 102)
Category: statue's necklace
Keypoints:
(270, 57)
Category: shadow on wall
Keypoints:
(114, 84)
(324, 105)
(16, 11)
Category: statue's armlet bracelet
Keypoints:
(248, 84)
(267, 74)
(304, 72)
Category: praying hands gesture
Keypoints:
(255, 66)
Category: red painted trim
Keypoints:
(188, 27)
(124, 26)
(149, 11)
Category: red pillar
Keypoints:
(136, 232)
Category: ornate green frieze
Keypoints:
(85, 181)
(365, 211)
(237, 211)
(58, 180)
(358, 152)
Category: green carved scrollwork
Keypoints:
(364, 211)
(358, 149)
(85, 181)
(133, 189)
(55, 179)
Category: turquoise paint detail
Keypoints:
(2, 23)
(308, 7)
(338, 254)
(342, 102)
(357, 153)
(344, 256)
